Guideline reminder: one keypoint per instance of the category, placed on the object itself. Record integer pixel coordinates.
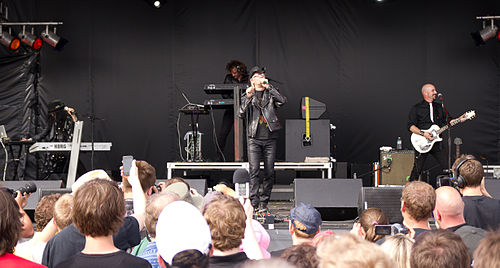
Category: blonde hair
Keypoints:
(350, 251)
(62, 211)
(398, 247)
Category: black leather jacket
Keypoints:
(250, 108)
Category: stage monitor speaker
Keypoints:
(296, 151)
(324, 194)
(493, 187)
(34, 197)
(386, 198)
(200, 185)
(400, 163)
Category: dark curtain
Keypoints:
(127, 62)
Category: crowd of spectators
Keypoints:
(140, 223)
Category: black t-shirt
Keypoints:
(234, 260)
(116, 259)
(482, 212)
(69, 241)
(263, 132)
(419, 231)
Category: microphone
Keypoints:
(66, 108)
(440, 96)
(241, 180)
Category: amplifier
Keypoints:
(400, 163)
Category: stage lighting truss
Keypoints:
(489, 30)
(28, 38)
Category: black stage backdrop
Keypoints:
(367, 61)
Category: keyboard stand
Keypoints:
(75, 152)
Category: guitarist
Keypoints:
(421, 117)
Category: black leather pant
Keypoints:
(261, 150)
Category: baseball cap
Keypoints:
(181, 227)
(189, 195)
(308, 216)
(256, 69)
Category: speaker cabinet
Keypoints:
(400, 163)
(34, 197)
(335, 199)
(386, 198)
(296, 151)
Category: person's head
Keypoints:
(256, 74)
(226, 218)
(350, 251)
(190, 258)
(302, 256)
(439, 248)
(470, 170)
(305, 221)
(62, 211)
(236, 68)
(10, 222)
(184, 191)
(418, 200)
(147, 176)
(44, 210)
(368, 219)
(449, 210)
(98, 208)
(55, 108)
(398, 247)
(91, 175)
(429, 92)
(181, 227)
(486, 254)
(154, 206)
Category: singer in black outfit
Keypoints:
(421, 117)
(237, 74)
(258, 107)
(60, 125)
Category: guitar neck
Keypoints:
(444, 128)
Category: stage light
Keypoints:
(486, 33)
(51, 38)
(12, 43)
(30, 40)
(156, 3)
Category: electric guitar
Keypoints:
(423, 145)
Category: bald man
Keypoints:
(449, 214)
(421, 117)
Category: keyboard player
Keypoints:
(59, 128)
(237, 74)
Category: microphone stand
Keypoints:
(448, 119)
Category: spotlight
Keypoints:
(12, 43)
(486, 33)
(51, 38)
(156, 3)
(30, 40)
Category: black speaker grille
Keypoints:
(386, 198)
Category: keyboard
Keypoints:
(66, 146)
(219, 103)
